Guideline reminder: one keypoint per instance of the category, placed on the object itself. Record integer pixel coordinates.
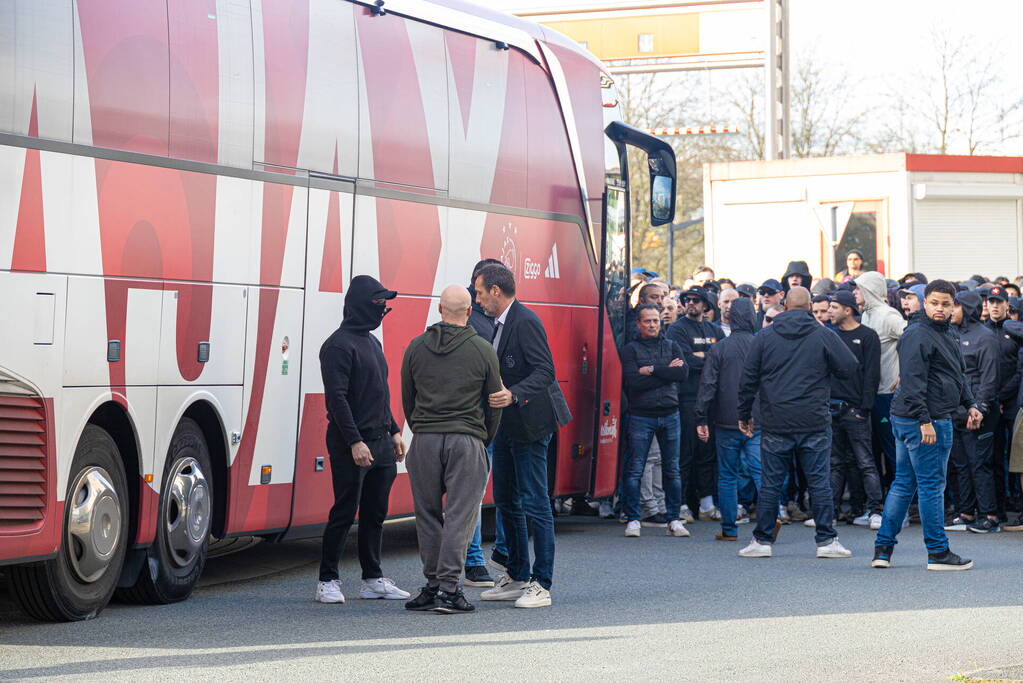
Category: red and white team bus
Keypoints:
(187, 186)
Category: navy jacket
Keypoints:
(790, 364)
(653, 395)
(718, 396)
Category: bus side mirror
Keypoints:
(662, 189)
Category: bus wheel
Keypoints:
(176, 559)
(80, 581)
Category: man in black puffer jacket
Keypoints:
(719, 394)
(972, 450)
(652, 367)
(1008, 385)
(791, 365)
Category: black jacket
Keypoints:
(693, 337)
(653, 395)
(1014, 328)
(718, 396)
(527, 369)
(354, 370)
(932, 376)
(480, 321)
(980, 354)
(1008, 372)
(791, 364)
(797, 268)
(860, 389)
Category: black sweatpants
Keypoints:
(972, 453)
(697, 461)
(365, 488)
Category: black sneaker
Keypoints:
(882, 556)
(947, 561)
(478, 576)
(658, 520)
(452, 603)
(1016, 524)
(424, 602)
(499, 560)
(984, 525)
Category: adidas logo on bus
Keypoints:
(553, 271)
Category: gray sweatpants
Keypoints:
(456, 465)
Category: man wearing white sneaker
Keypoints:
(852, 400)
(789, 367)
(363, 441)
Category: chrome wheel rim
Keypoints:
(94, 524)
(186, 512)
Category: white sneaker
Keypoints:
(505, 589)
(381, 589)
(330, 592)
(741, 515)
(534, 595)
(606, 510)
(783, 514)
(677, 528)
(632, 529)
(711, 514)
(875, 522)
(686, 515)
(862, 520)
(833, 550)
(810, 523)
(756, 549)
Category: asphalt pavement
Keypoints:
(624, 609)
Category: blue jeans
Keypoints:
(642, 431)
(474, 553)
(520, 493)
(736, 452)
(813, 451)
(918, 468)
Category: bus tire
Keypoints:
(79, 582)
(175, 560)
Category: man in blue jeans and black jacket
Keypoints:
(932, 385)
(652, 367)
(533, 409)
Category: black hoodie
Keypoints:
(791, 364)
(354, 370)
(718, 396)
(932, 379)
(797, 268)
(980, 354)
(693, 336)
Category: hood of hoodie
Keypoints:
(742, 317)
(874, 289)
(360, 313)
(919, 291)
(797, 268)
(971, 304)
(795, 324)
(442, 338)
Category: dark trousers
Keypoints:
(521, 497)
(813, 451)
(1000, 458)
(971, 458)
(365, 488)
(696, 460)
(851, 453)
(883, 437)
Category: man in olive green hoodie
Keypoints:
(446, 377)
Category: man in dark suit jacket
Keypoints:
(533, 409)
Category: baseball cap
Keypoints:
(843, 297)
(769, 287)
(998, 293)
(746, 289)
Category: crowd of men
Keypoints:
(856, 399)
(837, 401)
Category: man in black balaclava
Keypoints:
(363, 440)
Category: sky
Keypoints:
(873, 39)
